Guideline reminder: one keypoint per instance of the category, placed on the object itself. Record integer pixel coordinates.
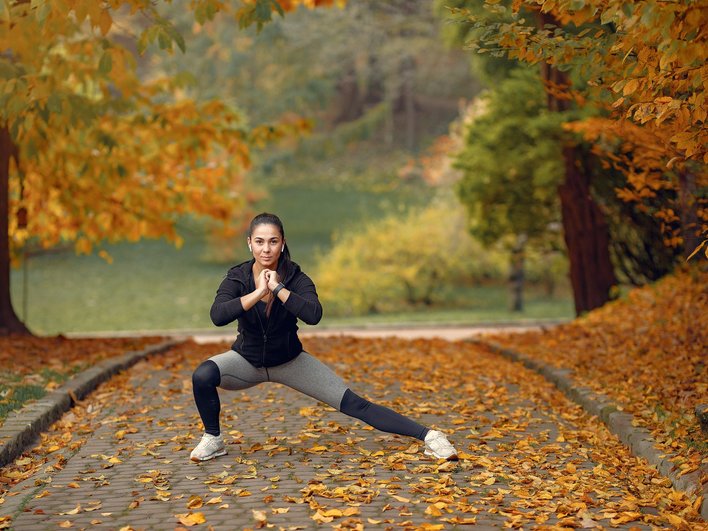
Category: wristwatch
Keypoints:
(278, 288)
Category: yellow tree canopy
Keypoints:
(99, 153)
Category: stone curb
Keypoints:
(638, 439)
(24, 425)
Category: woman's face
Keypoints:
(266, 245)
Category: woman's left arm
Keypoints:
(301, 300)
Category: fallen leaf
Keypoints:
(191, 519)
(195, 502)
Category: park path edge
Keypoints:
(22, 426)
(637, 439)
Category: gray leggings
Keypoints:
(306, 374)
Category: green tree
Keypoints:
(584, 226)
(641, 66)
(512, 165)
(378, 65)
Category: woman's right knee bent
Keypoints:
(206, 375)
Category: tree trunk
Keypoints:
(587, 237)
(687, 212)
(516, 276)
(408, 66)
(585, 230)
(349, 101)
(9, 322)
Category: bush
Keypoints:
(403, 260)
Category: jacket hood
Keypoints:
(241, 272)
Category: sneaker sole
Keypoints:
(209, 457)
(453, 457)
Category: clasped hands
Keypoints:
(268, 280)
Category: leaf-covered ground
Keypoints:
(32, 366)
(529, 457)
(647, 351)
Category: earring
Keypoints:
(249, 248)
(283, 249)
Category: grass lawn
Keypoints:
(151, 285)
(477, 306)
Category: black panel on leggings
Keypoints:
(205, 380)
(380, 417)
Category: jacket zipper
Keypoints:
(265, 332)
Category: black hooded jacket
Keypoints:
(266, 341)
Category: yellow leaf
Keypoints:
(677, 521)
(195, 502)
(456, 520)
(65, 524)
(433, 511)
(631, 86)
(625, 517)
(191, 519)
(318, 517)
(259, 515)
(105, 21)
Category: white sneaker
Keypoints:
(437, 445)
(209, 447)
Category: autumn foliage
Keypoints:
(43, 364)
(645, 351)
(528, 456)
(401, 261)
(641, 67)
(103, 154)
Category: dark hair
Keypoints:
(285, 262)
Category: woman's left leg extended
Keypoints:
(309, 375)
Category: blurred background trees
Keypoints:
(573, 144)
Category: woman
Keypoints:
(267, 295)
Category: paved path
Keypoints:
(452, 332)
(449, 333)
(530, 457)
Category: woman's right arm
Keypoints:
(229, 303)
